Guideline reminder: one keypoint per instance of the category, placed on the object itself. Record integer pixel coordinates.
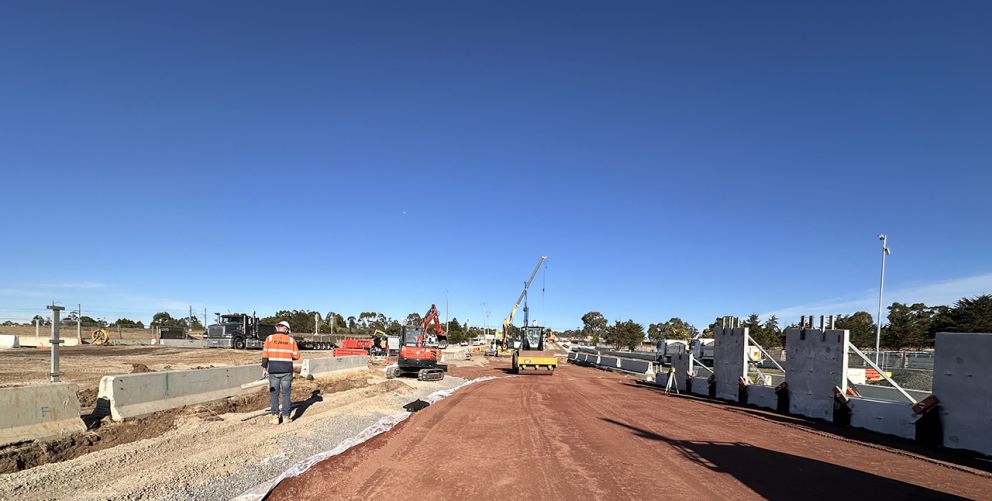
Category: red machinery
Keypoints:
(418, 355)
(432, 317)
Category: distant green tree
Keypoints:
(771, 334)
(164, 319)
(656, 332)
(414, 319)
(627, 334)
(127, 323)
(676, 328)
(909, 326)
(594, 326)
(967, 315)
(861, 327)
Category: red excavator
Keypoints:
(420, 352)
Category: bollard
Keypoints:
(54, 376)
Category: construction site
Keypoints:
(450, 250)
(184, 419)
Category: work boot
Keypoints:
(287, 418)
(275, 419)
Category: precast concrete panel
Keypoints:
(962, 381)
(817, 363)
(640, 366)
(729, 361)
(883, 416)
(608, 362)
(701, 386)
(682, 364)
(762, 396)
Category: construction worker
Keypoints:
(278, 354)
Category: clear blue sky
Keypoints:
(672, 158)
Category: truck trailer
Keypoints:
(242, 331)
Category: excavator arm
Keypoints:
(432, 317)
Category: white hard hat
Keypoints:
(284, 324)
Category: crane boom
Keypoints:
(509, 318)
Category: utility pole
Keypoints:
(79, 324)
(316, 323)
(333, 318)
(881, 286)
(190, 330)
(54, 375)
(204, 318)
(447, 326)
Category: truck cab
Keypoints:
(237, 330)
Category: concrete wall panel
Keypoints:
(38, 411)
(8, 341)
(608, 362)
(700, 386)
(962, 381)
(883, 416)
(817, 363)
(880, 392)
(729, 361)
(133, 395)
(328, 366)
(762, 396)
(683, 366)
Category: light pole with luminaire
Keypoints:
(881, 286)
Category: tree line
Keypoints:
(912, 326)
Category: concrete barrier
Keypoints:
(8, 341)
(38, 411)
(133, 395)
(318, 367)
(882, 416)
(639, 366)
(43, 341)
(573, 356)
(962, 381)
(182, 343)
(762, 396)
(608, 362)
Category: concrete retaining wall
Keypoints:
(962, 381)
(38, 411)
(882, 416)
(132, 395)
(43, 341)
(682, 363)
(700, 386)
(327, 366)
(762, 396)
(8, 341)
(817, 363)
(729, 361)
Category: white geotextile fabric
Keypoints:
(383, 425)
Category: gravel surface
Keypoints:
(210, 457)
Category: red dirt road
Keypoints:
(585, 433)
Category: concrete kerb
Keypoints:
(326, 366)
(39, 411)
(133, 395)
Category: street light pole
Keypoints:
(881, 287)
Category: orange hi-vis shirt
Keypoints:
(278, 353)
